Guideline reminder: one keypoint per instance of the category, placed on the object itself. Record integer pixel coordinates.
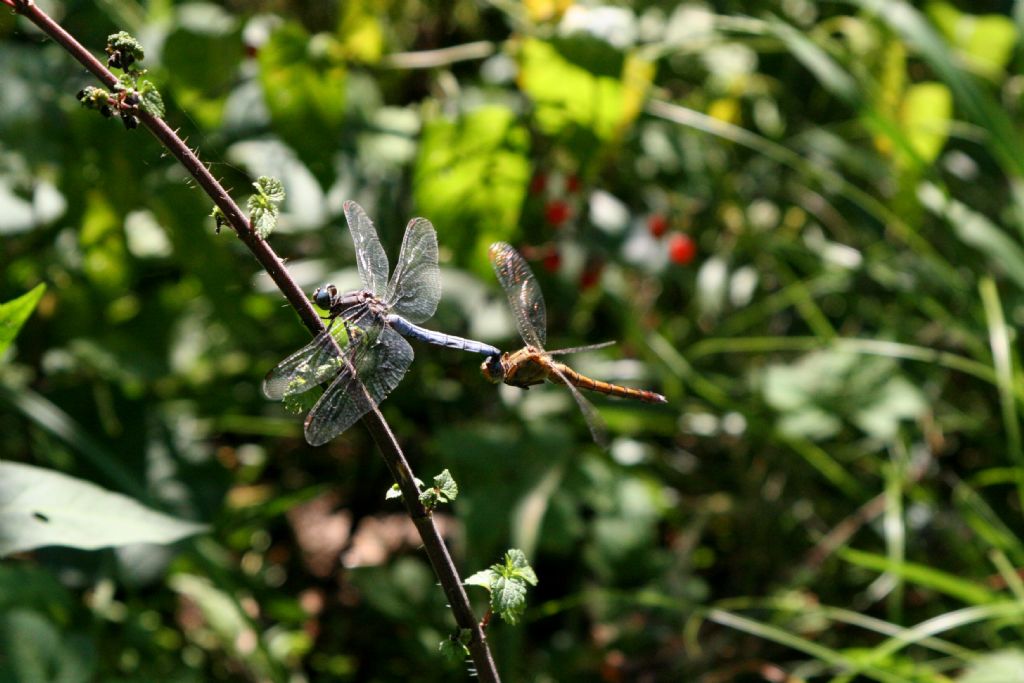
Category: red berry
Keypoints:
(590, 275)
(552, 261)
(657, 224)
(572, 184)
(556, 212)
(538, 183)
(681, 248)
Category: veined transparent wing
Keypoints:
(415, 286)
(379, 365)
(370, 257)
(597, 429)
(313, 364)
(524, 295)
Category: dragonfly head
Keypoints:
(323, 296)
(493, 369)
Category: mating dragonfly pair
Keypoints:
(363, 351)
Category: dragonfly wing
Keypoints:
(375, 369)
(580, 349)
(370, 257)
(524, 295)
(311, 365)
(590, 414)
(415, 287)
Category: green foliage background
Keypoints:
(834, 489)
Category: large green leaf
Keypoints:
(14, 313)
(471, 178)
(42, 508)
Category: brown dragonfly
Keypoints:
(533, 364)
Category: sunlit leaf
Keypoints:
(13, 315)
(360, 32)
(925, 117)
(579, 82)
(471, 178)
(986, 39)
(508, 598)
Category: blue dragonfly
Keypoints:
(362, 352)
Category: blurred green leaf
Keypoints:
(580, 82)
(923, 576)
(815, 394)
(360, 31)
(46, 508)
(303, 80)
(33, 651)
(202, 54)
(926, 114)
(987, 40)
(14, 313)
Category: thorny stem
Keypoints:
(436, 550)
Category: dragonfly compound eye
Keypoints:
(322, 296)
(492, 369)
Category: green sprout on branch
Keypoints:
(444, 490)
(133, 92)
(123, 50)
(507, 584)
(453, 648)
(263, 205)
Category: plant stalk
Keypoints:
(437, 551)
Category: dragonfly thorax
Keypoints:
(330, 299)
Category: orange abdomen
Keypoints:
(584, 382)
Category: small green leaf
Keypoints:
(517, 566)
(483, 578)
(263, 219)
(508, 598)
(14, 313)
(446, 486)
(150, 100)
(271, 188)
(453, 649)
(430, 498)
(263, 205)
(507, 584)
